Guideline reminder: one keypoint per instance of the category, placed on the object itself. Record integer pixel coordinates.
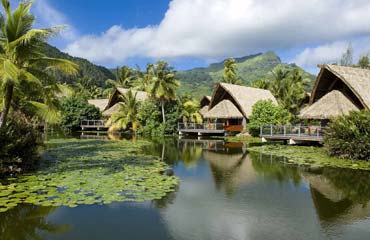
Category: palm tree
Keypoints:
(125, 77)
(163, 84)
(190, 112)
(20, 59)
(142, 81)
(127, 114)
(230, 74)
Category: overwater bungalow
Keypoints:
(117, 97)
(232, 105)
(338, 91)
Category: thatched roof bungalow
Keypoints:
(337, 91)
(99, 103)
(232, 105)
(117, 97)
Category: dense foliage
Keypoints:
(74, 110)
(150, 118)
(18, 139)
(86, 69)
(266, 112)
(349, 136)
(230, 74)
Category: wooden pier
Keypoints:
(293, 134)
(201, 129)
(98, 125)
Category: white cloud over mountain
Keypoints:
(210, 29)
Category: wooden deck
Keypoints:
(94, 125)
(201, 129)
(293, 134)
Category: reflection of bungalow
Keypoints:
(117, 97)
(99, 103)
(232, 104)
(338, 90)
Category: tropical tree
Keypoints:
(364, 62)
(127, 114)
(88, 88)
(347, 57)
(125, 77)
(21, 63)
(230, 74)
(163, 84)
(190, 112)
(142, 81)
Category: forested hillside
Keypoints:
(97, 73)
(199, 81)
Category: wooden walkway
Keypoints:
(201, 129)
(94, 125)
(292, 134)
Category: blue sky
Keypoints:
(193, 33)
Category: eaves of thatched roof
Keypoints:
(115, 97)
(112, 110)
(224, 110)
(356, 79)
(242, 97)
(99, 103)
(332, 105)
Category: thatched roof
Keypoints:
(205, 101)
(99, 103)
(203, 110)
(242, 97)
(355, 82)
(332, 105)
(109, 112)
(140, 95)
(224, 110)
(115, 98)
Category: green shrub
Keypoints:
(349, 136)
(74, 110)
(266, 112)
(18, 140)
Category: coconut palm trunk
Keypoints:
(163, 114)
(7, 101)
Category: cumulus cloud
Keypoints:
(217, 28)
(48, 16)
(331, 52)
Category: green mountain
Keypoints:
(200, 81)
(86, 69)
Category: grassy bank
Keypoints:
(301, 155)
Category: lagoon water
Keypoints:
(224, 193)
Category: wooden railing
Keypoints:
(299, 131)
(93, 124)
(200, 126)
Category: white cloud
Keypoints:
(48, 16)
(217, 28)
(331, 52)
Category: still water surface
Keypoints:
(224, 193)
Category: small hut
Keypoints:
(117, 97)
(232, 104)
(338, 90)
(99, 103)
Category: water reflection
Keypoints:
(225, 193)
(29, 222)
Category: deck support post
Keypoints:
(284, 130)
(271, 130)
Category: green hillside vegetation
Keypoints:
(200, 81)
(98, 74)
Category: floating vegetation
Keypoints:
(310, 156)
(90, 172)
